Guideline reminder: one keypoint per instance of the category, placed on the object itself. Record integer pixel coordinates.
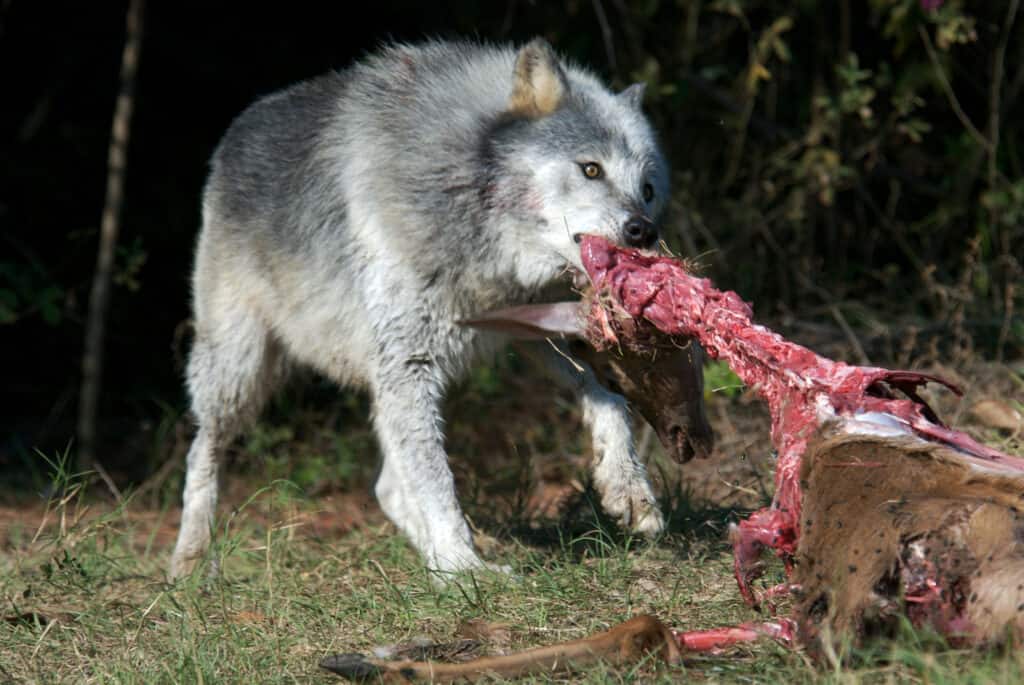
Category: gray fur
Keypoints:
(352, 220)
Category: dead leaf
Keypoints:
(497, 636)
(555, 488)
(647, 587)
(998, 414)
(28, 619)
(422, 649)
(250, 617)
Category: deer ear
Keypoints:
(634, 95)
(533, 321)
(539, 85)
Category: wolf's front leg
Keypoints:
(416, 488)
(620, 478)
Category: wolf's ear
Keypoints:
(634, 95)
(539, 84)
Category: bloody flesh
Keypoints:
(803, 390)
(718, 639)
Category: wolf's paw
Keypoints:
(181, 566)
(453, 559)
(442, 579)
(500, 569)
(634, 506)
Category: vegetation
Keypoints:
(853, 169)
(300, 578)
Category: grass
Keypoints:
(86, 601)
(307, 571)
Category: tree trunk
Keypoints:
(92, 356)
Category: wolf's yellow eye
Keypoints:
(592, 170)
(648, 192)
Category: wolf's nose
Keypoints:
(640, 231)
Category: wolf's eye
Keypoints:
(648, 192)
(592, 170)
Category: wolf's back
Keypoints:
(397, 129)
(266, 159)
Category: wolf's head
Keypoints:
(577, 159)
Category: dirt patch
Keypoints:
(329, 517)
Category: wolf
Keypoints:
(351, 221)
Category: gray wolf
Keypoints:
(351, 221)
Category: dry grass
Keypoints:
(85, 599)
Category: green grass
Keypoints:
(96, 607)
(85, 600)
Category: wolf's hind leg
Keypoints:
(620, 478)
(233, 367)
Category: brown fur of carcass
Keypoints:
(665, 383)
(883, 519)
(662, 376)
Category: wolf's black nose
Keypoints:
(640, 231)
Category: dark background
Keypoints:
(811, 192)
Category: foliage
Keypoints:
(26, 289)
(719, 378)
(830, 153)
(853, 167)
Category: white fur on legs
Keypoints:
(395, 500)
(200, 505)
(233, 367)
(416, 487)
(620, 478)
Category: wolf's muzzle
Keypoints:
(639, 231)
